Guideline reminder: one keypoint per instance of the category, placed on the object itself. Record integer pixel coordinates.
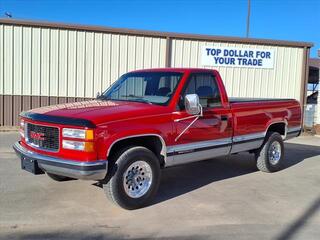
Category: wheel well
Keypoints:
(153, 143)
(278, 127)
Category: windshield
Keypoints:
(148, 87)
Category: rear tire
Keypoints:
(270, 155)
(135, 178)
(58, 178)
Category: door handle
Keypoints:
(224, 118)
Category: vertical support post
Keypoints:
(168, 52)
(304, 82)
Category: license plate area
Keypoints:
(31, 166)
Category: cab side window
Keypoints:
(205, 85)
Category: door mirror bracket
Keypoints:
(193, 107)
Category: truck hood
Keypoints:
(101, 111)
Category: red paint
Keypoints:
(119, 119)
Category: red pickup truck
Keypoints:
(148, 120)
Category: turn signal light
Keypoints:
(80, 146)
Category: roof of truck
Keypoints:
(173, 70)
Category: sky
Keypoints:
(297, 20)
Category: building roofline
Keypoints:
(172, 35)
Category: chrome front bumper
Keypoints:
(80, 170)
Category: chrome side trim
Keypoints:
(192, 152)
(81, 170)
(247, 142)
(163, 151)
(247, 137)
(293, 132)
(198, 145)
(197, 155)
(294, 129)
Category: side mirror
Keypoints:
(98, 95)
(192, 104)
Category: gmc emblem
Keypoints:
(37, 136)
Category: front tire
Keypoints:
(270, 155)
(135, 178)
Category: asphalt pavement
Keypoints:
(214, 199)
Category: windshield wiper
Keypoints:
(137, 98)
(102, 97)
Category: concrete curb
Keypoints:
(9, 128)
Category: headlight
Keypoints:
(75, 145)
(78, 133)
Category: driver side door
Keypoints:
(210, 136)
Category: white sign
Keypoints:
(237, 57)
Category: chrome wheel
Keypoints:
(274, 153)
(137, 179)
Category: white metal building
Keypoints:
(49, 63)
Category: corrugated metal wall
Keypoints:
(65, 63)
(283, 81)
(43, 64)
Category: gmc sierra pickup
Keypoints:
(148, 120)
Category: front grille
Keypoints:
(43, 137)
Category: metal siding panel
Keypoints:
(16, 109)
(147, 53)
(8, 60)
(63, 63)
(81, 46)
(115, 50)
(71, 99)
(299, 67)
(123, 54)
(36, 62)
(26, 60)
(228, 79)
(53, 100)
(7, 110)
(89, 64)
(54, 63)
(1, 110)
(162, 52)
(286, 77)
(35, 102)
(17, 61)
(26, 103)
(1, 60)
(278, 73)
(155, 52)
(131, 53)
(140, 52)
(173, 53)
(106, 54)
(72, 63)
(97, 71)
(62, 100)
(186, 53)
(44, 101)
(293, 71)
(45, 62)
(178, 53)
(194, 54)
